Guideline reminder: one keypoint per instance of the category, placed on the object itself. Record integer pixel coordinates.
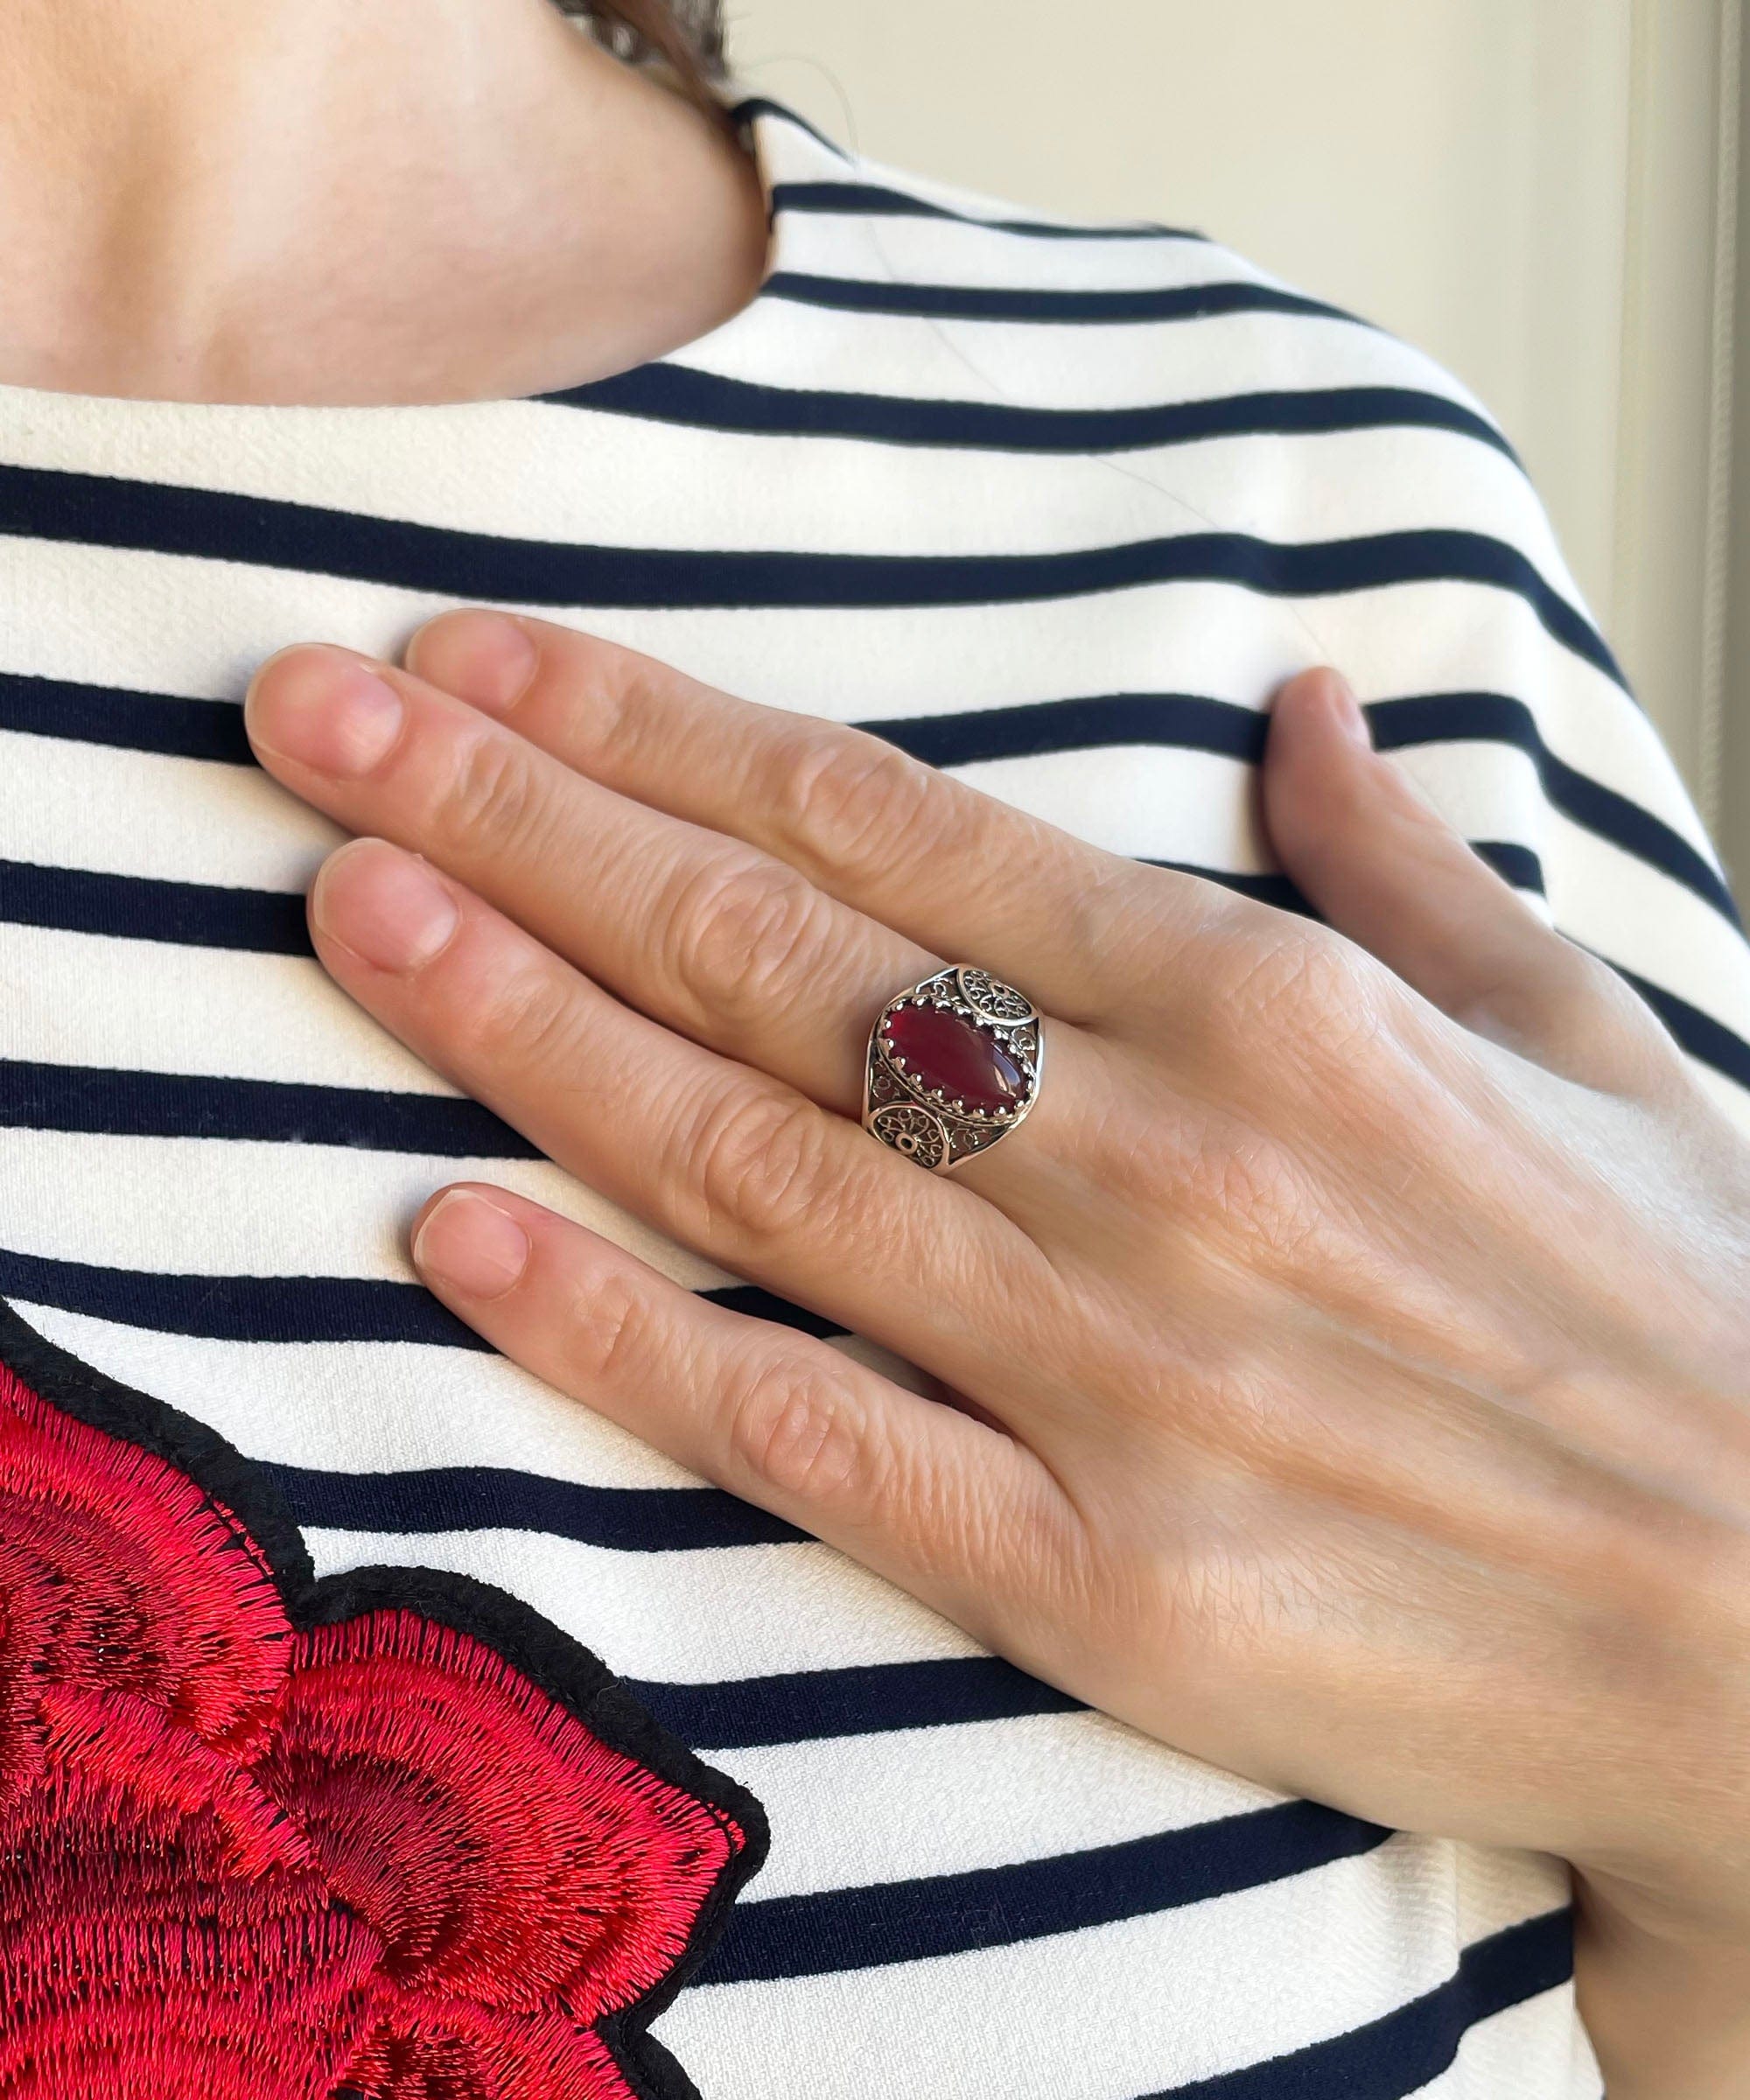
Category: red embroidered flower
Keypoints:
(262, 1839)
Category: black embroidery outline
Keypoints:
(559, 1666)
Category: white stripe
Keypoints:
(1190, 806)
(1214, 640)
(685, 1617)
(1600, 895)
(67, 804)
(1534, 2051)
(946, 251)
(524, 471)
(1062, 365)
(1731, 1101)
(975, 204)
(153, 1203)
(305, 1403)
(999, 1791)
(1127, 2008)
(139, 1003)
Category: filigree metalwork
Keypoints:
(912, 1131)
(1010, 1022)
(993, 1000)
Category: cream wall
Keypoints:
(1539, 191)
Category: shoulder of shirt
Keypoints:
(971, 255)
(1120, 271)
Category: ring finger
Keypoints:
(728, 1161)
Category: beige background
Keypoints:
(1542, 192)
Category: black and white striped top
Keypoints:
(1053, 507)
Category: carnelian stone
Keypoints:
(942, 1049)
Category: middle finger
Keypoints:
(708, 935)
(729, 1162)
(715, 938)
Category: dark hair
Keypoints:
(687, 35)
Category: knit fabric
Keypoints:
(1056, 507)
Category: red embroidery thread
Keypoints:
(347, 1852)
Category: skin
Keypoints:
(1286, 1353)
(1351, 1345)
(409, 200)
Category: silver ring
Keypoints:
(954, 1066)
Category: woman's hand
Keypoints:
(1343, 1374)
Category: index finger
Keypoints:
(956, 871)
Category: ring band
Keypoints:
(953, 1065)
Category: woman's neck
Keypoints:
(402, 200)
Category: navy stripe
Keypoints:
(1099, 722)
(100, 1101)
(211, 729)
(754, 106)
(1042, 303)
(192, 914)
(1704, 1038)
(677, 394)
(1270, 887)
(1707, 1040)
(873, 200)
(143, 907)
(127, 721)
(491, 1498)
(132, 908)
(293, 1308)
(108, 904)
(217, 525)
(1515, 864)
(201, 916)
(1407, 2049)
(238, 1308)
(1190, 722)
(996, 1907)
(1494, 717)
(327, 1309)
(871, 1698)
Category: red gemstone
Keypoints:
(967, 1062)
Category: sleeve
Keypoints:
(1612, 839)
(1443, 594)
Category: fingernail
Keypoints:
(384, 905)
(1347, 709)
(484, 658)
(324, 709)
(471, 1246)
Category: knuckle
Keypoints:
(1244, 1185)
(798, 1430)
(748, 933)
(608, 1335)
(1313, 974)
(526, 1021)
(1588, 983)
(756, 1164)
(604, 693)
(1596, 1000)
(1122, 914)
(1308, 989)
(1208, 1182)
(490, 801)
(849, 800)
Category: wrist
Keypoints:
(1665, 1997)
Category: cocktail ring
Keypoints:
(953, 1065)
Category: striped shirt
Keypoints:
(1057, 508)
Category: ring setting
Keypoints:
(954, 1066)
